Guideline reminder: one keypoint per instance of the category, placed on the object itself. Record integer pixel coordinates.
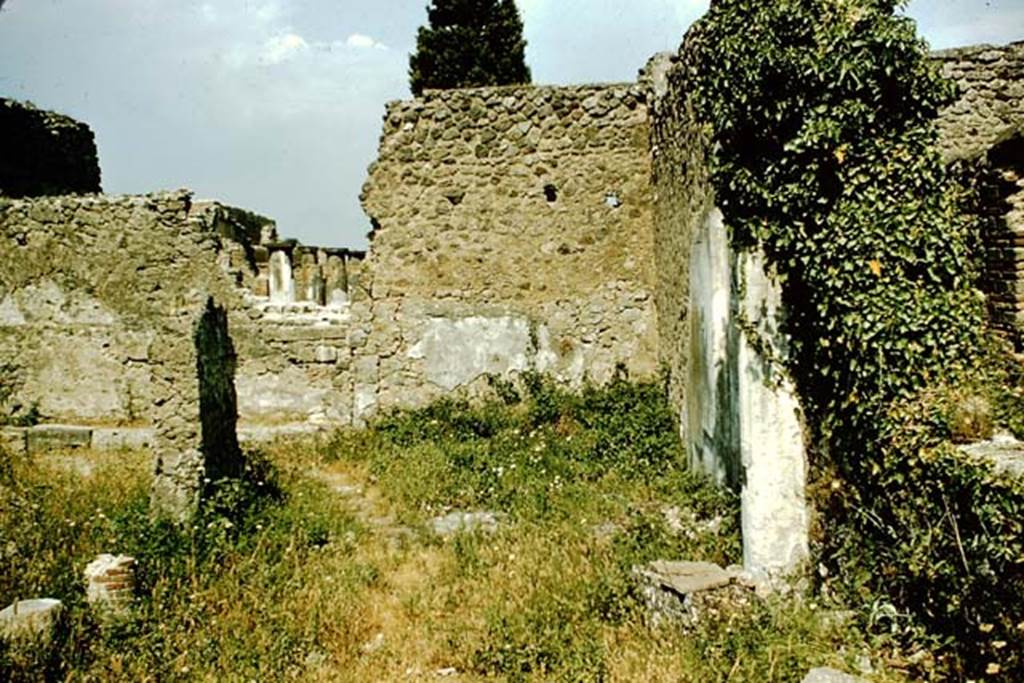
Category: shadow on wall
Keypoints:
(1001, 209)
(216, 362)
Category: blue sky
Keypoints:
(276, 105)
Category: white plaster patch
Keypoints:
(547, 359)
(456, 352)
(742, 410)
(710, 429)
(775, 519)
(10, 314)
(270, 395)
(365, 400)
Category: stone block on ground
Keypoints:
(1004, 452)
(829, 675)
(44, 438)
(682, 593)
(30, 618)
(456, 522)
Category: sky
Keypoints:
(276, 105)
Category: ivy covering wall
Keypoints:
(821, 120)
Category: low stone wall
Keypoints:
(45, 153)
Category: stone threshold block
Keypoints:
(684, 593)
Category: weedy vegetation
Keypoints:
(339, 576)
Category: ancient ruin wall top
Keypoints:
(45, 153)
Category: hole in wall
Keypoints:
(611, 200)
(551, 193)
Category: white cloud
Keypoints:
(282, 48)
(362, 42)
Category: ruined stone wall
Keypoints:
(85, 282)
(986, 127)
(513, 232)
(45, 153)
(683, 201)
(89, 284)
(985, 123)
(990, 108)
(516, 229)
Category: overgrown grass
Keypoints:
(341, 578)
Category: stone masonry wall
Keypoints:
(683, 200)
(513, 233)
(990, 108)
(45, 153)
(84, 280)
(516, 229)
(986, 127)
(87, 285)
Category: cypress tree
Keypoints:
(469, 43)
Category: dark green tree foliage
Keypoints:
(820, 115)
(469, 43)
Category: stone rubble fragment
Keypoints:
(110, 583)
(456, 522)
(30, 619)
(681, 593)
(829, 675)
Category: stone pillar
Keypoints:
(775, 518)
(282, 284)
(317, 288)
(195, 411)
(335, 280)
(110, 584)
(303, 267)
(744, 421)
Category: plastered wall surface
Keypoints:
(514, 232)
